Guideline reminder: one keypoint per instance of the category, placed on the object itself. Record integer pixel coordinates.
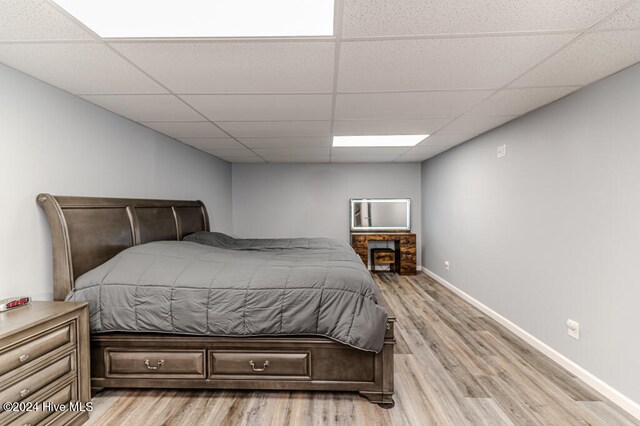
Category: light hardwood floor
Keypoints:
(454, 366)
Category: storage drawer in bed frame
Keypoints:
(277, 363)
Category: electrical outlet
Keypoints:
(446, 265)
(573, 329)
(502, 151)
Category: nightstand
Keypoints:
(44, 358)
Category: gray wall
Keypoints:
(551, 231)
(51, 141)
(286, 200)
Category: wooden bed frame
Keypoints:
(86, 232)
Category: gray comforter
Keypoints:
(212, 284)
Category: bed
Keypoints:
(246, 353)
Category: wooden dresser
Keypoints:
(405, 245)
(44, 364)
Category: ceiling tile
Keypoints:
(146, 107)
(79, 68)
(441, 64)
(374, 106)
(590, 58)
(267, 153)
(262, 107)
(421, 153)
(445, 140)
(229, 67)
(388, 127)
(475, 125)
(354, 152)
(267, 129)
(519, 101)
(411, 158)
(243, 159)
(423, 17)
(287, 142)
(301, 159)
(213, 143)
(31, 20)
(627, 18)
(417, 158)
(239, 151)
(421, 150)
(186, 129)
(295, 155)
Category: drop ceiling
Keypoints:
(450, 68)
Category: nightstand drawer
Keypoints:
(39, 379)
(60, 396)
(23, 353)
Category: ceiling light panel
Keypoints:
(362, 158)
(389, 151)
(203, 18)
(377, 140)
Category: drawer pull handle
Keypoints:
(158, 364)
(23, 357)
(264, 366)
(24, 392)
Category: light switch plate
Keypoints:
(502, 151)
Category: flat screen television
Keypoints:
(380, 214)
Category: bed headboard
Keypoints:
(86, 231)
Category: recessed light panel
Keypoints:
(377, 140)
(203, 18)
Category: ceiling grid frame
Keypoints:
(287, 131)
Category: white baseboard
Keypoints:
(597, 384)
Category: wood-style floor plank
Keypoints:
(453, 366)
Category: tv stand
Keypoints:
(405, 246)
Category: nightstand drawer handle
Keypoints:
(23, 357)
(24, 392)
(158, 364)
(264, 366)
